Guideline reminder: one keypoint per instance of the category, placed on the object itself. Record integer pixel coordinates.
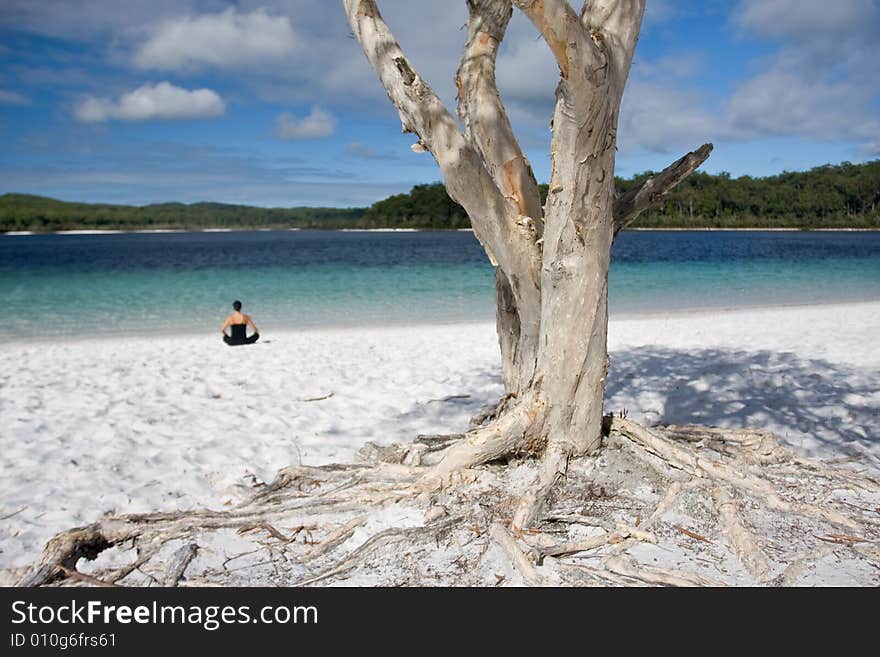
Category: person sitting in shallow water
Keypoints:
(238, 323)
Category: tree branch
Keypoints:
(615, 22)
(631, 204)
(421, 111)
(483, 114)
(561, 28)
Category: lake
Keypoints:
(140, 283)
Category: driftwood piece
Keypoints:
(630, 205)
(179, 563)
(335, 538)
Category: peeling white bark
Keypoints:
(489, 131)
(552, 277)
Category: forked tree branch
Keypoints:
(561, 28)
(631, 204)
(483, 113)
(422, 112)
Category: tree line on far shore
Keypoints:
(830, 196)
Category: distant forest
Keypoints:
(831, 196)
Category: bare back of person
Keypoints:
(238, 323)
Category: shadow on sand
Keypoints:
(821, 407)
(812, 403)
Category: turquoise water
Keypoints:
(647, 288)
(65, 285)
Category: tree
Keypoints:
(551, 262)
(551, 284)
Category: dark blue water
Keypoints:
(146, 282)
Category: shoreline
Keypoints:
(151, 231)
(354, 328)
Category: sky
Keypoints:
(272, 102)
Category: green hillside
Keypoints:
(831, 196)
(40, 214)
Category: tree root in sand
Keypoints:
(671, 506)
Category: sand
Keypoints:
(147, 423)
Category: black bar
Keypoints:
(388, 618)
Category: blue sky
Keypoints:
(272, 103)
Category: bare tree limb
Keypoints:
(616, 23)
(631, 204)
(422, 112)
(490, 132)
(483, 114)
(561, 28)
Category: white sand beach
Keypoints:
(150, 423)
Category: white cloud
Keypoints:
(317, 124)
(149, 102)
(665, 110)
(12, 98)
(222, 40)
(819, 80)
(787, 101)
(823, 83)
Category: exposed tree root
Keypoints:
(659, 576)
(610, 538)
(510, 434)
(374, 544)
(705, 506)
(517, 556)
(553, 467)
(491, 412)
(742, 541)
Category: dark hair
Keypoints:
(236, 305)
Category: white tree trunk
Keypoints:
(552, 262)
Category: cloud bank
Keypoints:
(820, 83)
(160, 101)
(225, 40)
